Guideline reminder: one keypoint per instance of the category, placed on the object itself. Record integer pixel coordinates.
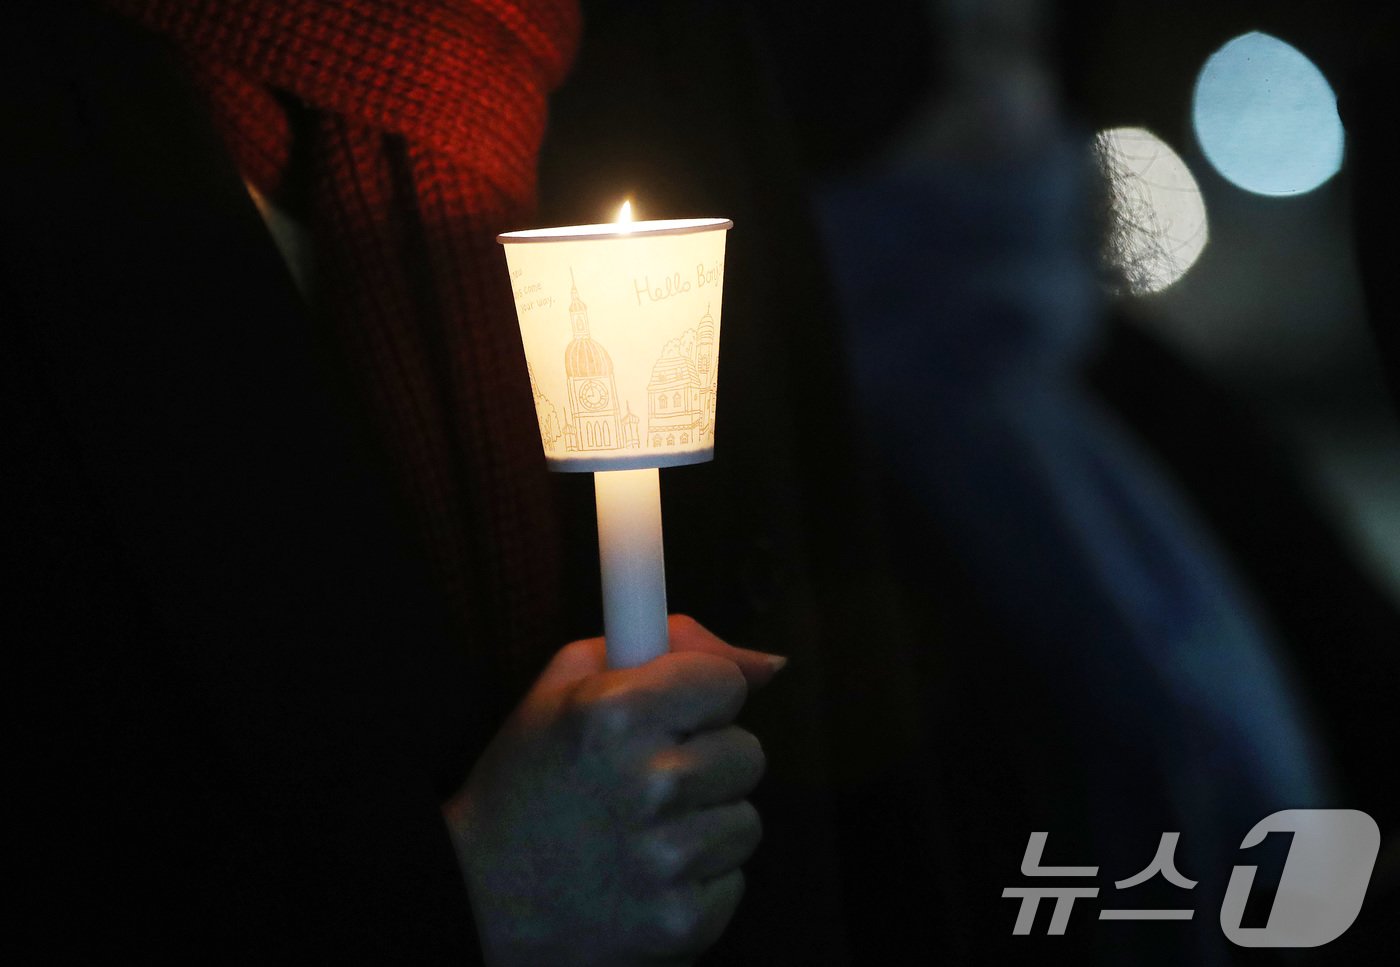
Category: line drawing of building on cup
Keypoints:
(591, 411)
(680, 392)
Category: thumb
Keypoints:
(575, 661)
(758, 667)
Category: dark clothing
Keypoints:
(241, 704)
(402, 138)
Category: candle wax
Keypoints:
(633, 565)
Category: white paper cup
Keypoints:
(621, 330)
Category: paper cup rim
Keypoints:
(643, 461)
(647, 229)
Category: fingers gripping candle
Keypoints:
(620, 324)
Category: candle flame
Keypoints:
(624, 214)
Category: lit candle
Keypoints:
(623, 370)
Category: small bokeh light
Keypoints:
(1157, 227)
(1266, 117)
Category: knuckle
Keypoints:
(576, 707)
(750, 822)
(735, 686)
(573, 719)
(613, 718)
(722, 684)
(752, 750)
(661, 789)
(740, 885)
(679, 918)
(727, 897)
(665, 858)
(681, 667)
(740, 754)
(603, 713)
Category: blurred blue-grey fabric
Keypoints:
(971, 300)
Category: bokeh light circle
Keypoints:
(1158, 225)
(1266, 118)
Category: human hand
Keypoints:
(606, 822)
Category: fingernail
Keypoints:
(775, 662)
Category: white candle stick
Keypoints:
(633, 565)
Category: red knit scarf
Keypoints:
(426, 120)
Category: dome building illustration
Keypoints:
(681, 393)
(591, 408)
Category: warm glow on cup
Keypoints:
(621, 330)
(620, 324)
